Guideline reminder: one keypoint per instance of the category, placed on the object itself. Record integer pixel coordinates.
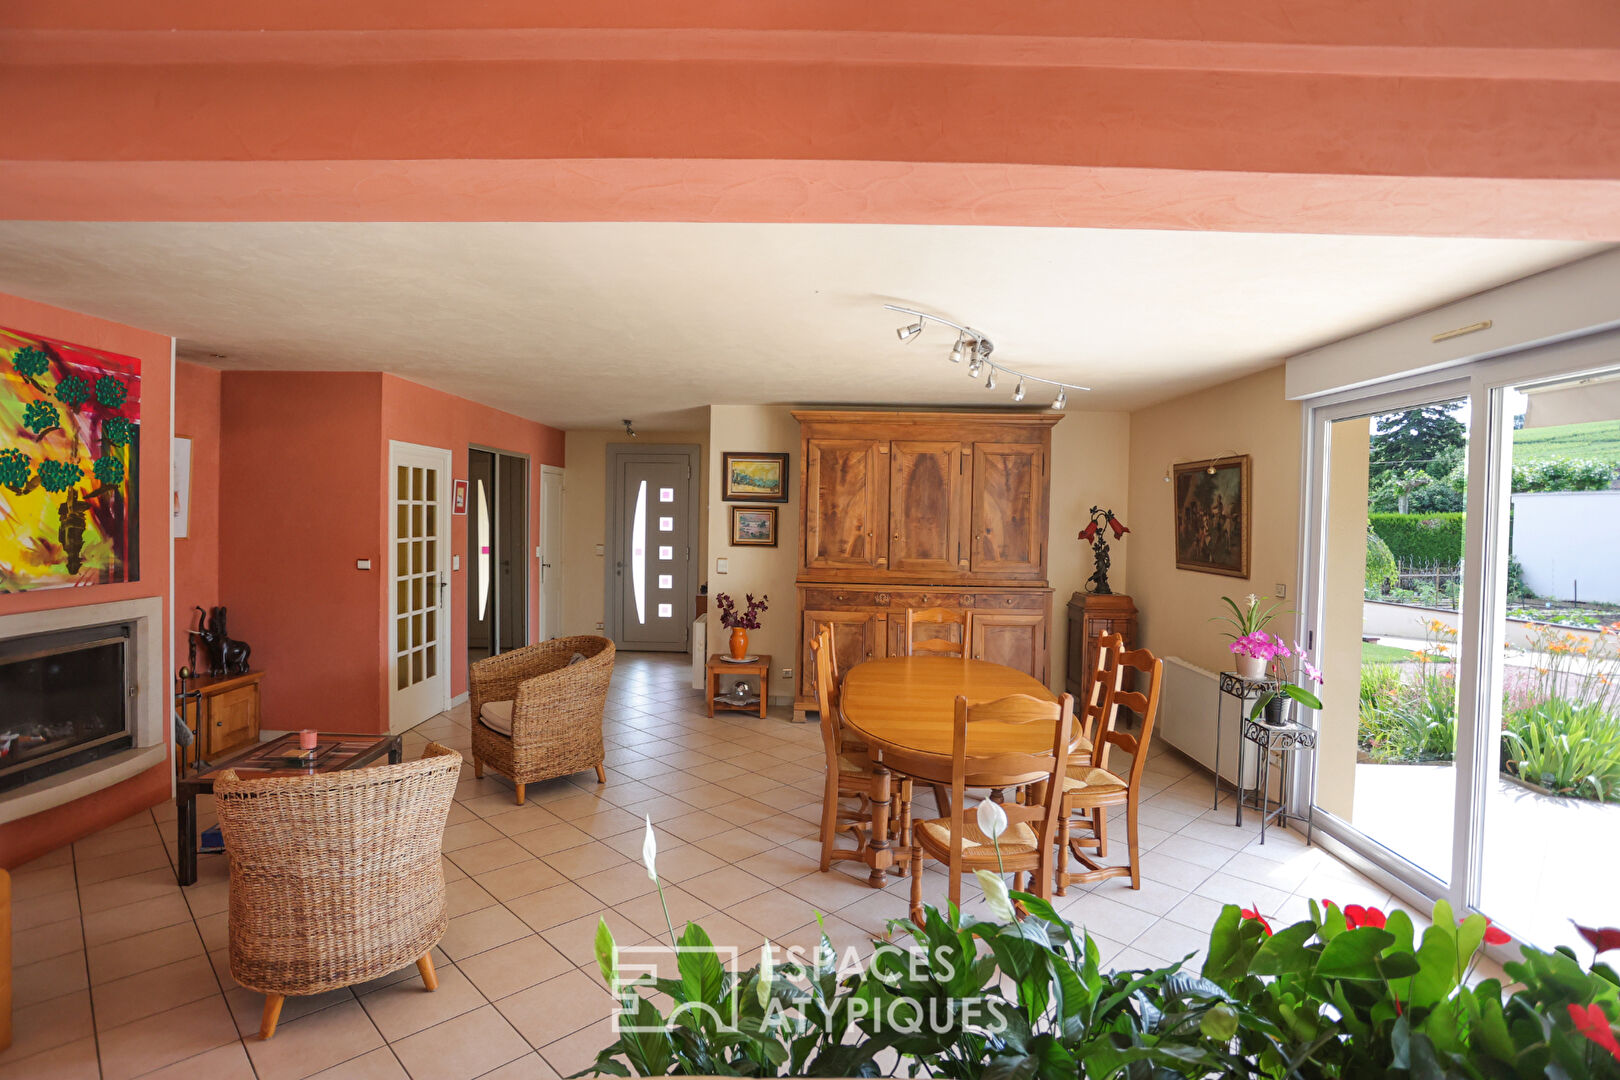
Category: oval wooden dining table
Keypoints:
(904, 709)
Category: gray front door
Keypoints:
(655, 527)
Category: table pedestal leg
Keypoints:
(185, 818)
(879, 847)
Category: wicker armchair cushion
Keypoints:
(497, 716)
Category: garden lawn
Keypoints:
(1374, 653)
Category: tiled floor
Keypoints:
(120, 973)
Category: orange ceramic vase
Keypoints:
(739, 643)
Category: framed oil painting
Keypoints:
(754, 477)
(753, 526)
(1212, 516)
(70, 423)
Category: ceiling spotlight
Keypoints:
(974, 367)
(1060, 401)
(974, 348)
(628, 430)
(958, 350)
(1018, 394)
(906, 333)
(990, 383)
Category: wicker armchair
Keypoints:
(552, 707)
(336, 878)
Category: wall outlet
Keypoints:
(722, 566)
(787, 673)
(599, 626)
(1282, 591)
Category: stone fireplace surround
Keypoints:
(149, 735)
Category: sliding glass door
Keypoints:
(1464, 595)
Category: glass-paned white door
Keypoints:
(417, 557)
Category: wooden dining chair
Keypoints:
(1026, 848)
(938, 646)
(1092, 789)
(849, 772)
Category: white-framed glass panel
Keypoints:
(666, 552)
(666, 581)
(666, 524)
(666, 494)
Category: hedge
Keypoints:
(1421, 538)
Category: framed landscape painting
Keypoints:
(753, 526)
(70, 423)
(1212, 516)
(754, 477)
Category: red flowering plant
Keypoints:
(1355, 991)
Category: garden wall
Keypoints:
(1407, 621)
(1561, 538)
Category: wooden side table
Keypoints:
(1092, 616)
(718, 666)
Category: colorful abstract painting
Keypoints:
(70, 423)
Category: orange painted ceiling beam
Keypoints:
(1348, 117)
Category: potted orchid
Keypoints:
(1247, 621)
(740, 622)
(1285, 680)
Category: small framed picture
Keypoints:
(753, 526)
(754, 477)
(458, 497)
(1212, 516)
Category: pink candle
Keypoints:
(307, 739)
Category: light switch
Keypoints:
(1282, 591)
(537, 551)
(455, 562)
(722, 566)
(599, 549)
(362, 564)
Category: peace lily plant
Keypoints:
(1347, 993)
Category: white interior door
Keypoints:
(418, 557)
(551, 546)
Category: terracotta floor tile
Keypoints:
(74, 1061)
(49, 1024)
(469, 834)
(482, 858)
(407, 1007)
(468, 1046)
(120, 863)
(247, 1006)
(49, 908)
(43, 881)
(519, 879)
(477, 931)
(153, 991)
(114, 923)
(578, 1051)
(583, 860)
(558, 904)
(735, 845)
(517, 965)
(141, 952)
(528, 1067)
(165, 1038)
(466, 895)
(377, 1065)
(576, 939)
(305, 1046)
(724, 887)
(549, 839)
(127, 890)
(46, 979)
(228, 1062)
(647, 913)
(44, 942)
(547, 1011)
(617, 884)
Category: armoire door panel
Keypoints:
(925, 507)
(846, 496)
(858, 636)
(1014, 640)
(1008, 499)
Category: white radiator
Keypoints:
(1187, 717)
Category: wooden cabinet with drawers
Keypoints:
(228, 713)
(923, 509)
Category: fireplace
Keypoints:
(68, 700)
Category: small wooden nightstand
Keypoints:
(718, 666)
(229, 711)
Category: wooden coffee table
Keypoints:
(334, 752)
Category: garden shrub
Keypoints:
(1381, 567)
(1554, 474)
(1421, 538)
(1566, 747)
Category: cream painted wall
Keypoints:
(1090, 452)
(585, 517)
(759, 570)
(1340, 646)
(1246, 416)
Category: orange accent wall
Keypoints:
(303, 495)
(196, 557)
(30, 837)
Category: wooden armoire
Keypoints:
(923, 509)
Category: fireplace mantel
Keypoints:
(149, 734)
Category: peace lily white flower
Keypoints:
(992, 818)
(1252, 599)
(649, 852)
(767, 973)
(995, 895)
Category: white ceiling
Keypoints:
(581, 324)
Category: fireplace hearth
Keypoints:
(67, 698)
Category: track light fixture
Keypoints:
(973, 346)
(628, 430)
